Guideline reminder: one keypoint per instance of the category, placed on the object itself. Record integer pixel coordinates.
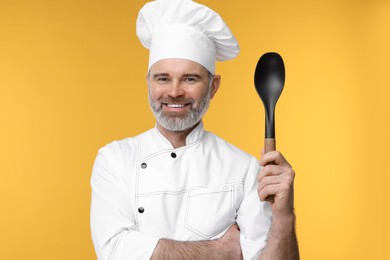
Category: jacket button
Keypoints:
(143, 165)
(173, 155)
(141, 210)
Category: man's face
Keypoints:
(180, 92)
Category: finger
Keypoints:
(281, 191)
(269, 170)
(262, 152)
(281, 179)
(269, 180)
(286, 179)
(281, 184)
(287, 174)
(273, 157)
(267, 191)
(270, 158)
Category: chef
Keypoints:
(178, 191)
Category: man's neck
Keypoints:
(177, 138)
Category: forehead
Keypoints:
(178, 67)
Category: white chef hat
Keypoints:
(186, 30)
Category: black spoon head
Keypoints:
(269, 83)
(269, 78)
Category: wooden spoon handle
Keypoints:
(269, 145)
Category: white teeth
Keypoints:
(175, 105)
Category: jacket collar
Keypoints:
(194, 136)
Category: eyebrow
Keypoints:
(192, 75)
(160, 75)
(195, 75)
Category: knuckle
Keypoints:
(285, 186)
(262, 195)
(289, 178)
(263, 181)
(292, 172)
(268, 169)
(260, 186)
(264, 171)
(292, 176)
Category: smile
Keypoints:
(176, 105)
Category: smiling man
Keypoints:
(179, 94)
(177, 191)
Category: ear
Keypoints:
(215, 85)
(147, 78)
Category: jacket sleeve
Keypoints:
(113, 228)
(253, 217)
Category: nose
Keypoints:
(176, 89)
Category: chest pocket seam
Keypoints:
(208, 216)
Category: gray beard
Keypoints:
(181, 123)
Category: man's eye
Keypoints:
(162, 79)
(190, 80)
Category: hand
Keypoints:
(276, 178)
(230, 243)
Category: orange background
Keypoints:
(72, 79)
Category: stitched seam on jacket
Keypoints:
(231, 190)
(169, 150)
(137, 172)
(116, 246)
(169, 192)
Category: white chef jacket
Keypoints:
(144, 189)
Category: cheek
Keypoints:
(198, 95)
(154, 93)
